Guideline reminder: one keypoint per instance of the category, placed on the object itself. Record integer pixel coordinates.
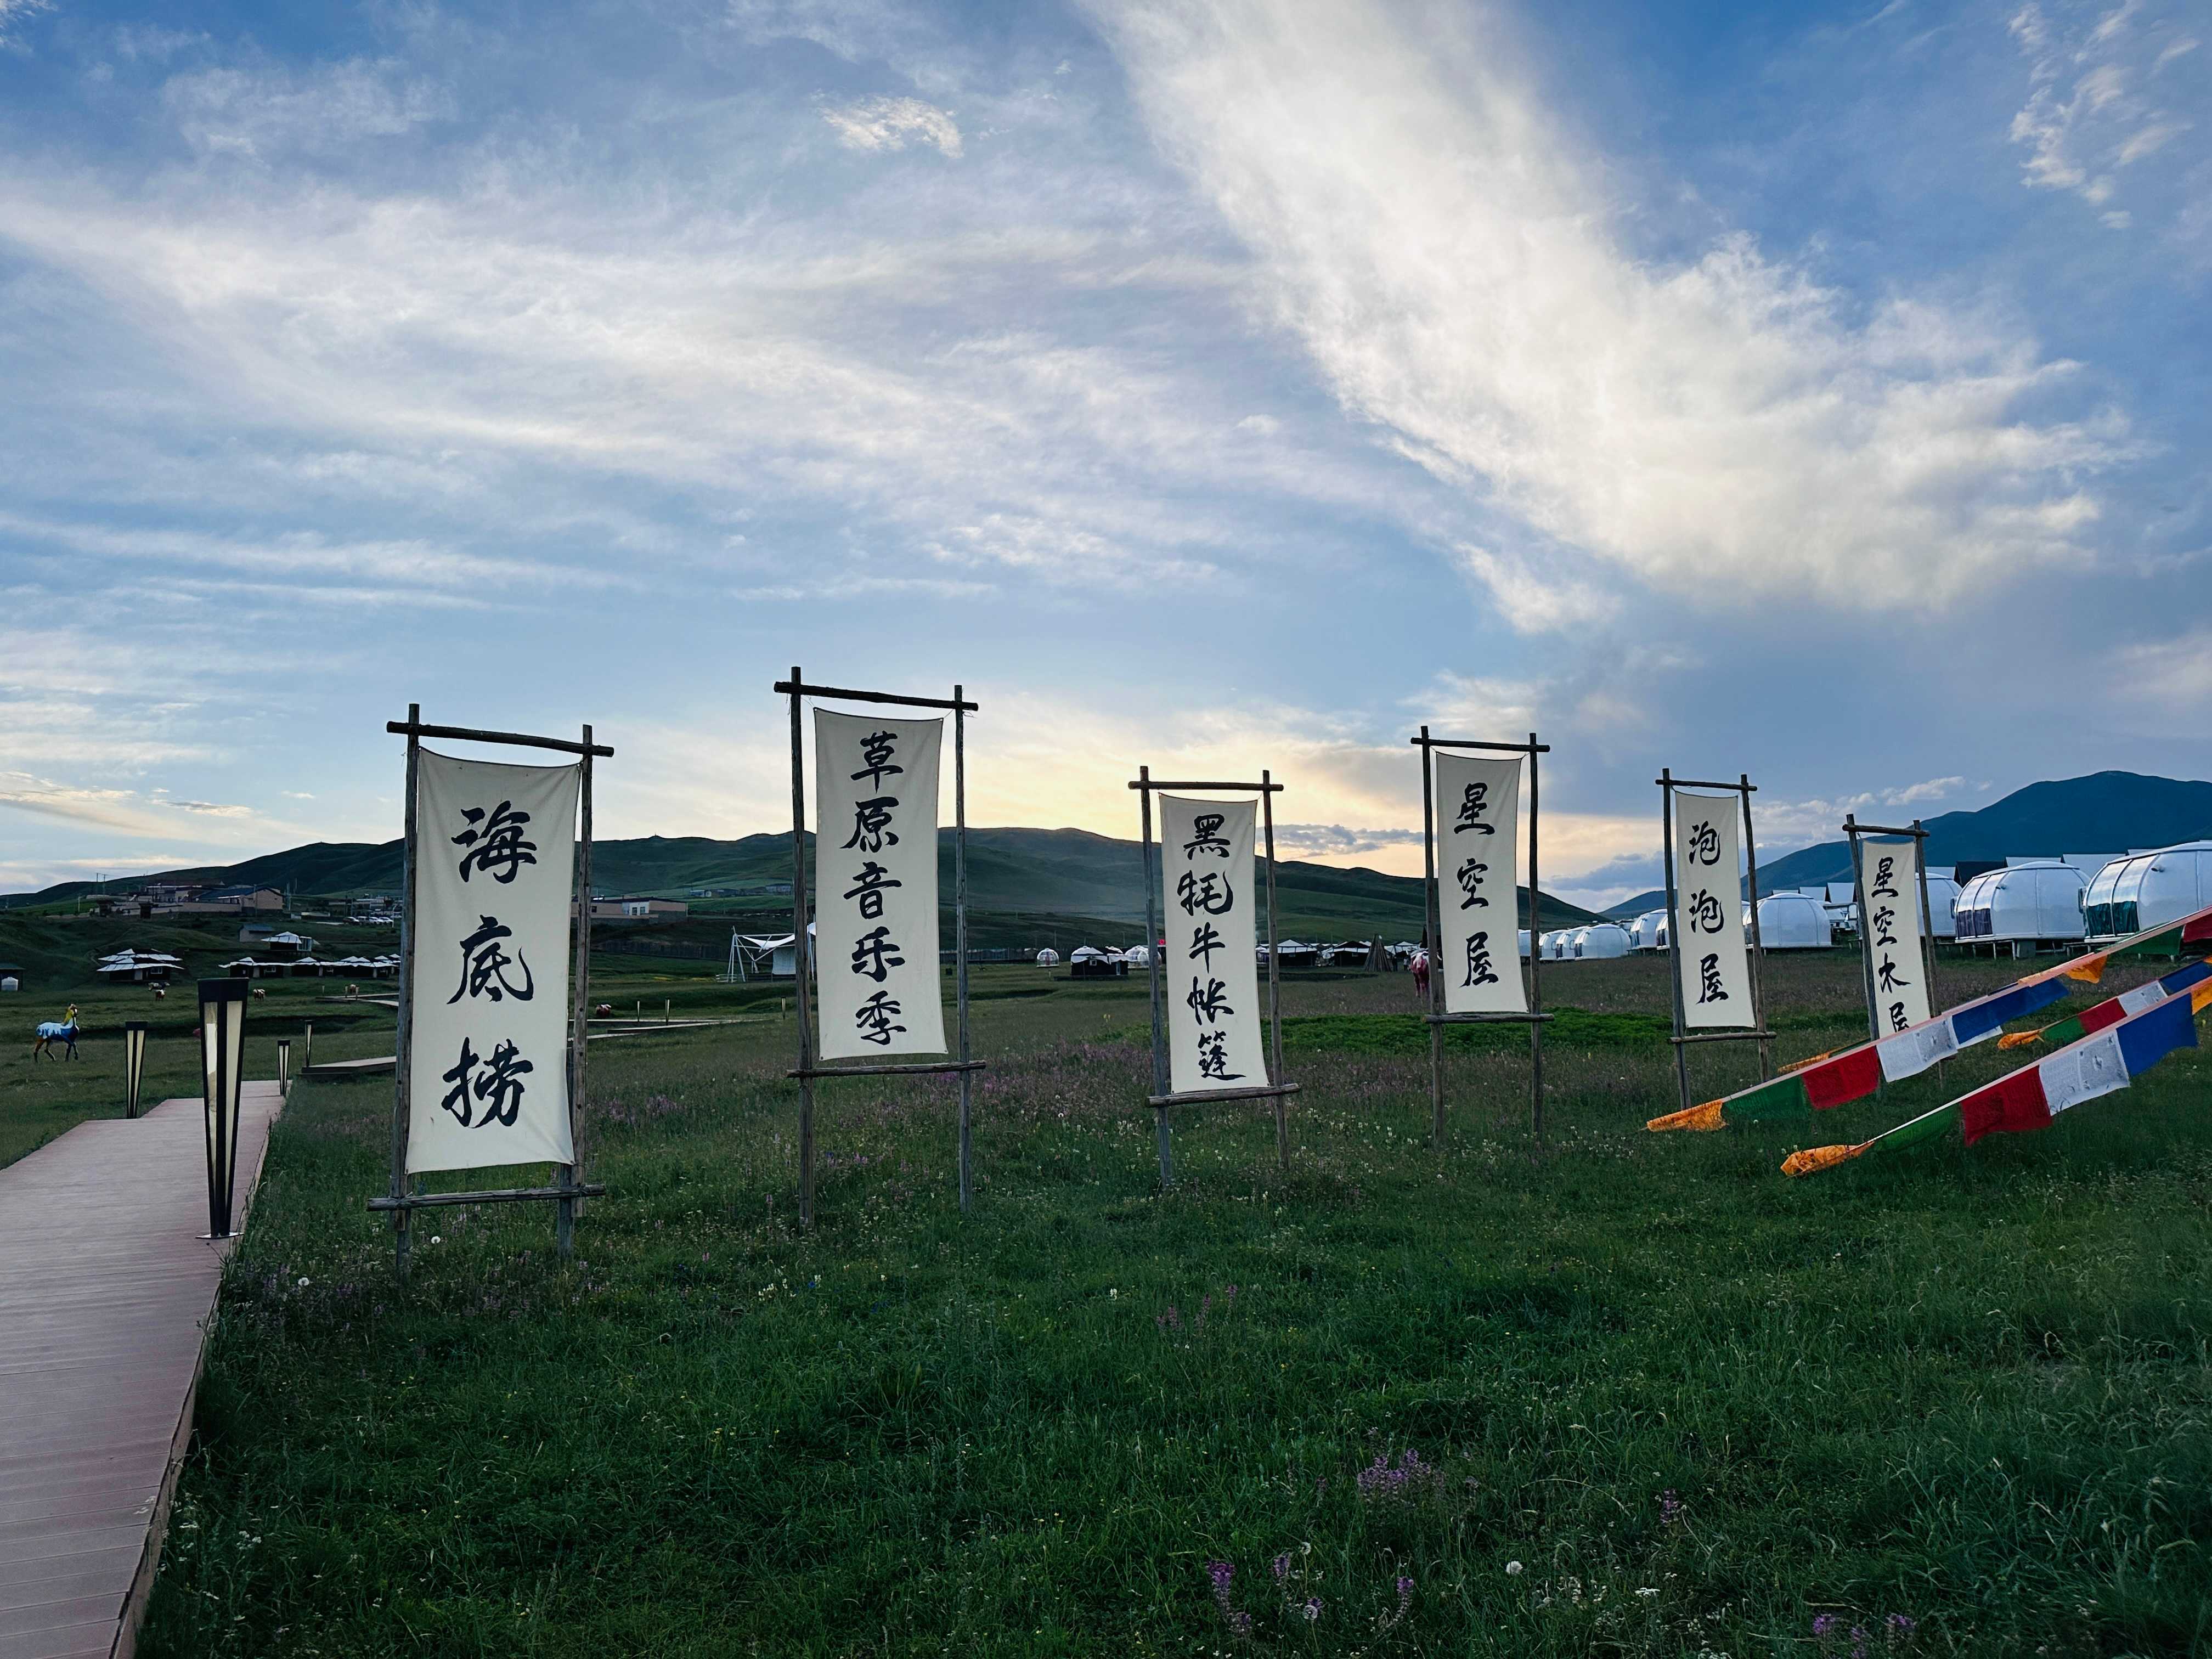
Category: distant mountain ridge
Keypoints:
(2102, 813)
(1033, 871)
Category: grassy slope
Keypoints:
(1968, 1388)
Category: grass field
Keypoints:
(1622, 1394)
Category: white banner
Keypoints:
(1890, 930)
(1477, 880)
(875, 885)
(1209, 893)
(487, 985)
(1708, 924)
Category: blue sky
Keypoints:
(1818, 392)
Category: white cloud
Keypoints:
(262, 114)
(14, 14)
(2102, 97)
(893, 124)
(1726, 428)
(1534, 602)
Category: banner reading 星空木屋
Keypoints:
(1208, 890)
(487, 973)
(1477, 882)
(1707, 926)
(1892, 929)
(875, 875)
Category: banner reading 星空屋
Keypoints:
(1207, 887)
(1478, 881)
(1708, 923)
(875, 883)
(1889, 876)
(488, 987)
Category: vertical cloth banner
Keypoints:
(1708, 923)
(1889, 874)
(1478, 884)
(875, 885)
(1214, 1013)
(487, 983)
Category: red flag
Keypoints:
(2012, 1105)
(1853, 1076)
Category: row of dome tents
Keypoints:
(383, 967)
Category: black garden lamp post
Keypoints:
(284, 1066)
(134, 1064)
(222, 1055)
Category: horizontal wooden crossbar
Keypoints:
(1700, 783)
(506, 1195)
(466, 734)
(1154, 783)
(1195, 1097)
(1468, 743)
(1881, 830)
(1723, 1037)
(921, 1070)
(1488, 1019)
(801, 689)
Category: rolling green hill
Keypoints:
(1025, 886)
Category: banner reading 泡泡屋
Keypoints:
(1889, 876)
(875, 883)
(1477, 882)
(1708, 923)
(488, 987)
(1207, 883)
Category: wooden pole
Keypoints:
(960, 943)
(1535, 966)
(1865, 932)
(1433, 926)
(801, 960)
(580, 1008)
(1152, 954)
(1758, 998)
(1674, 933)
(1275, 981)
(403, 1068)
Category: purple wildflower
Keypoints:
(1901, 1623)
(1670, 1508)
(1825, 1623)
(1282, 1565)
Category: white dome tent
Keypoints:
(1793, 921)
(1943, 902)
(2024, 905)
(1047, 957)
(1649, 930)
(1602, 940)
(2147, 890)
(1524, 945)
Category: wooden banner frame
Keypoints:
(1536, 1018)
(1744, 788)
(1163, 1096)
(1852, 830)
(807, 1072)
(569, 1187)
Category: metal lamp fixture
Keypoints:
(284, 1066)
(223, 1053)
(134, 1064)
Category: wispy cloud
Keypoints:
(1727, 428)
(2106, 92)
(893, 124)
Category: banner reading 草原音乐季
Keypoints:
(875, 864)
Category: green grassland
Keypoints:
(1619, 1394)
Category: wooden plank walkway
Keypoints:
(106, 1289)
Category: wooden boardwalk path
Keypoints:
(105, 1288)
